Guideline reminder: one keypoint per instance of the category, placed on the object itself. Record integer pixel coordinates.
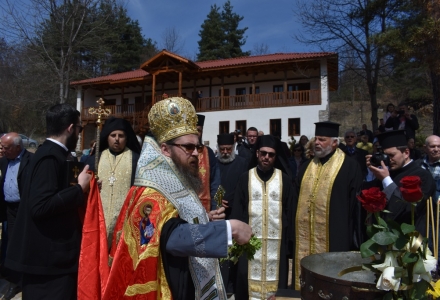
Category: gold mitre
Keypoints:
(171, 118)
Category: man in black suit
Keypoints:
(13, 164)
(45, 243)
(352, 151)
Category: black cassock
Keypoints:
(240, 211)
(345, 221)
(400, 209)
(230, 174)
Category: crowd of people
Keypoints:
(165, 210)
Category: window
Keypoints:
(257, 90)
(294, 127)
(223, 127)
(278, 88)
(109, 102)
(240, 91)
(275, 127)
(298, 87)
(241, 125)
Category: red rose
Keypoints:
(410, 188)
(373, 200)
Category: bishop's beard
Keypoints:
(191, 176)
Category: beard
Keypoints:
(226, 158)
(71, 141)
(190, 173)
(324, 151)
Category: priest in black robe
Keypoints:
(326, 214)
(263, 199)
(231, 166)
(394, 145)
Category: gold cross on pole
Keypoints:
(99, 112)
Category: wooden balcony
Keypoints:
(138, 113)
(294, 98)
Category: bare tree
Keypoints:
(349, 28)
(172, 40)
(260, 49)
(55, 30)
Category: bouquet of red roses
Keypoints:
(405, 262)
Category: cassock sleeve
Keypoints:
(46, 201)
(214, 177)
(199, 240)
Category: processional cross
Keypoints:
(99, 112)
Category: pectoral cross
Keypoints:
(112, 179)
(75, 171)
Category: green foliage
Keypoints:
(220, 36)
(248, 249)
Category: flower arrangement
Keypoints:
(405, 263)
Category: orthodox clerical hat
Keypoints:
(225, 139)
(200, 120)
(327, 128)
(171, 118)
(112, 124)
(393, 138)
(267, 141)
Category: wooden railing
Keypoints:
(295, 98)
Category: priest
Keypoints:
(263, 199)
(394, 145)
(165, 244)
(326, 212)
(119, 153)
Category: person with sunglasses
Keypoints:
(263, 199)
(178, 260)
(354, 152)
(326, 212)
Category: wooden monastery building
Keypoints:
(281, 92)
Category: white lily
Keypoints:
(389, 261)
(429, 264)
(387, 281)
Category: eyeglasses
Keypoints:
(189, 148)
(350, 137)
(80, 128)
(264, 153)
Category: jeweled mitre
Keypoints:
(171, 118)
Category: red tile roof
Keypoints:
(276, 57)
(212, 64)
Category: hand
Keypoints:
(379, 172)
(225, 203)
(217, 215)
(84, 179)
(241, 232)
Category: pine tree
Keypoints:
(220, 36)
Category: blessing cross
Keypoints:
(99, 112)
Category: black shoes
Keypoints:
(12, 291)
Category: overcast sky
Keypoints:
(269, 21)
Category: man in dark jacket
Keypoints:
(402, 119)
(46, 240)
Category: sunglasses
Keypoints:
(264, 153)
(189, 148)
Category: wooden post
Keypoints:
(153, 90)
(180, 83)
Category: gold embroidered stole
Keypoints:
(313, 212)
(113, 192)
(265, 217)
(204, 174)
